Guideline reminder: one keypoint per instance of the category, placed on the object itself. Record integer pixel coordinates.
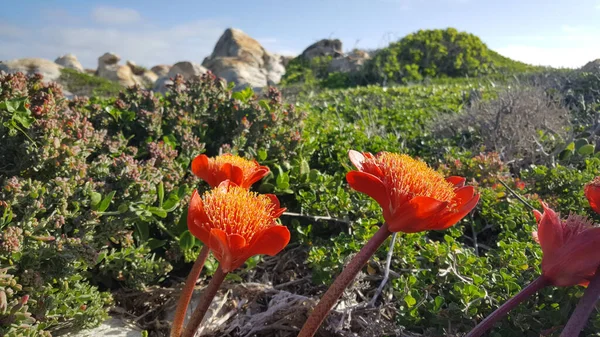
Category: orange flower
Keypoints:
(592, 193)
(570, 247)
(237, 224)
(242, 172)
(413, 196)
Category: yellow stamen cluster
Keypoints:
(246, 165)
(237, 211)
(410, 177)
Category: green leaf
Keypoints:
(155, 243)
(439, 301)
(581, 142)
(266, 188)
(304, 167)
(159, 212)
(171, 203)
(586, 150)
(566, 154)
(160, 192)
(95, 199)
(410, 301)
(186, 240)
(103, 206)
(143, 231)
(264, 104)
(262, 154)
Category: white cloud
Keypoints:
(569, 57)
(572, 29)
(115, 16)
(145, 44)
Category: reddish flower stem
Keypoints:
(186, 292)
(584, 308)
(342, 281)
(524, 294)
(205, 301)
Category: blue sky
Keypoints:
(561, 33)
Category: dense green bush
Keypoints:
(431, 53)
(93, 194)
(91, 190)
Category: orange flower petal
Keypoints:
(356, 158)
(451, 219)
(414, 215)
(270, 242)
(370, 185)
(196, 217)
(592, 193)
(200, 167)
(577, 260)
(218, 243)
(550, 231)
(256, 176)
(456, 181)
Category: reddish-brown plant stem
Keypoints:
(584, 308)
(342, 281)
(205, 301)
(524, 294)
(186, 292)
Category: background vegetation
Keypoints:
(93, 191)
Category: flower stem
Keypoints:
(489, 321)
(342, 281)
(205, 301)
(186, 292)
(584, 308)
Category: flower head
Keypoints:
(570, 247)
(592, 193)
(413, 196)
(241, 171)
(236, 224)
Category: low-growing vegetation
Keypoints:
(94, 191)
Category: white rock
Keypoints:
(187, 69)
(49, 69)
(109, 68)
(241, 59)
(113, 327)
(69, 61)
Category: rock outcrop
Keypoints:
(241, 59)
(49, 69)
(109, 68)
(349, 63)
(141, 75)
(325, 47)
(69, 61)
(187, 69)
(161, 70)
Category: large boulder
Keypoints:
(142, 76)
(187, 69)
(349, 63)
(161, 70)
(49, 69)
(69, 61)
(325, 47)
(109, 68)
(241, 59)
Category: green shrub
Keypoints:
(91, 190)
(82, 84)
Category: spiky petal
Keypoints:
(237, 224)
(413, 196)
